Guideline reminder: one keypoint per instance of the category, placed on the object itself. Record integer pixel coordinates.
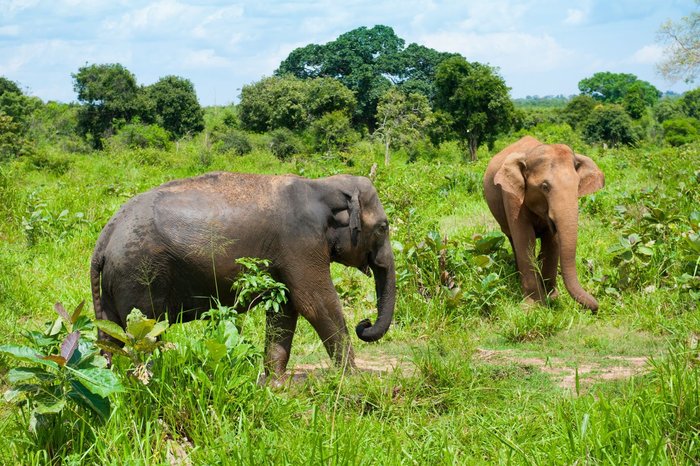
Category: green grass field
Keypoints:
(467, 374)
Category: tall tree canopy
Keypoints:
(176, 106)
(368, 62)
(613, 87)
(292, 103)
(682, 57)
(107, 92)
(476, 99)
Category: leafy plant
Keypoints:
(140, 339)
(60, 369)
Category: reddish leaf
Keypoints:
(62, 312)
(77, 311)
(60, 360)
(69, 345)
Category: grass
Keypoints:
(445, 402)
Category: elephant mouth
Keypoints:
(552, 226)
(366, 270)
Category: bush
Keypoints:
(233, 141)
(333, 132)
(679, 131)
(140, 136)
(284, 143)
(609, 124)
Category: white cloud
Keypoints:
(575, 16)
(10, 31)
(212, 24)
(647, 55)
(206, 58)
(514, 50)
(165, 14)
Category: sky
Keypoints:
(540, 47)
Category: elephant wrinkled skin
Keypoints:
(532, 189)
(169, 250)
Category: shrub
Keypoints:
(679, 131)
(141, 136)
(233, 141)
(609, 124)
(284, 143)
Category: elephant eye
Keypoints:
(381, 229)
(545, 187)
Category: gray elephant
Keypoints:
(532, 189)
(169, 250)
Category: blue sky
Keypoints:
(542, 47)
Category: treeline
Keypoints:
(324, 98)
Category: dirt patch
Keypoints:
(564, 371)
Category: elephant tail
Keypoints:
(96, 266)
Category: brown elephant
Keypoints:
(169, 250)
(532, 189)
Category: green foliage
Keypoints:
(477, 100)
(61, 370)
(614, 87)
(234, 141)
(283, 143)
(690, 103)
(255, 287)
(367, 61)
(175, 106)
(609, 124)
(137, 135)
(13, 143)
(291, 103)
(139, 340)
(333, 132)
(679, 131)
(108, 92)
(402, 120)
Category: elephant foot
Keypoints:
(554, 294)
(273, 380)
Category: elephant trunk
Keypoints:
(382, 266)
(567, 228)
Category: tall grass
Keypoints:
(444, 404)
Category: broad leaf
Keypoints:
(23, 374)
(158, 328)
(111, 347)
(69, 345)
(60, 360)
(102, 382)
(77, 311)
(98, 404)
(49, 404)
(113, 330)
(62, 312)
(24, 353)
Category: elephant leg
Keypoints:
(321, 306)
(549, 259)
(524, 246)
(278, 340)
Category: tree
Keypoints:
(609, 124)
(690, 102)
(175, 106)
(612, 87)
(290, 102)
(578, 109)
(679, 131)
(402, 119)
(333, 132)
(15, 112)
(368, 62)
(682, 54)
(477, 100)
(108, 92)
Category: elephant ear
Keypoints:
(355, 216)
(511, 176)
(591, 178)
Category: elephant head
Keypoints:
(543, 183)
(358, 236)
